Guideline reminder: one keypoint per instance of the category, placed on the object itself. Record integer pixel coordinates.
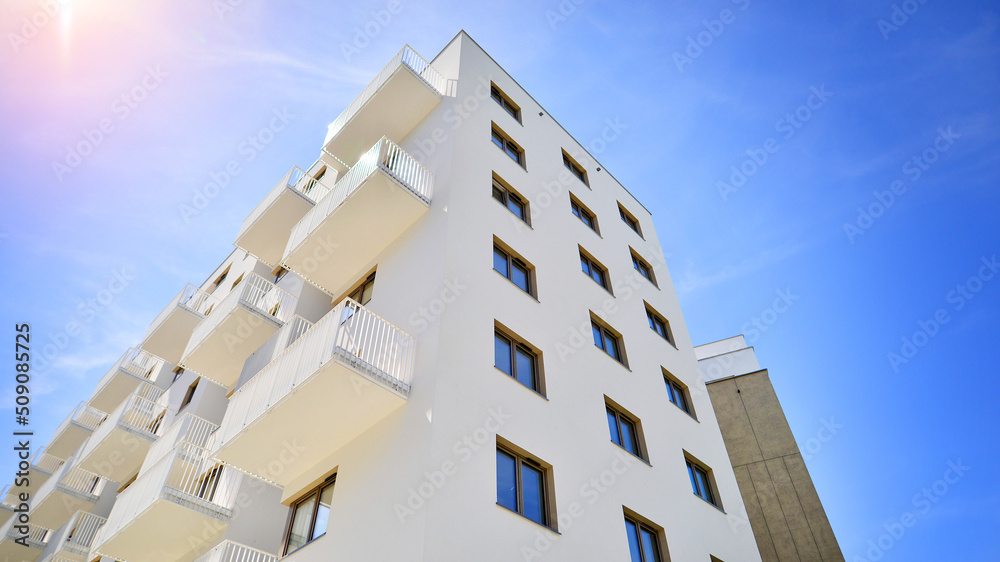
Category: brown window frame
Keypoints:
(316, 492)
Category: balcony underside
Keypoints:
(116, 390)
(340, 248)
(56, 508)
(118, 456)
(67, 441)
(393, 111)
(320, 416)
(169, 339)
(267, 236)
(11, 551)
(165, 532)
(221, 353)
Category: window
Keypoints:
(624, 430)
(513, 268)
(701, 481)
(643, 541)
(608, 341)
(517, 360)
(508, 146)
(628, 219)
(190, 394)
(309, 516)
(594, 270)
(521, 485)
(178, 371)
(218, 280)
(363, 294)
(643, 268)
(677, 393)
(577, 169)
(583, 213)
(279, 273)
(658, 324)
(502, 99)
(514, 202)
(237, 282)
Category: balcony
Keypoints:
(31, 547)
(119, 445)
(169, 333)
(348, 372)
(134, 368)
(399, 98)
(9, 503)
(272, 348)
(264, 231)
(74, 541)
(70, 490)
(42, 466)
(229, 551)
(177, 509)
(237, 326)
(368, 209)
(190, 429)
(73, 431)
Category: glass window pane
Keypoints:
(498, 193)
(500, 262)
(513, 153)
(576, 209)
(298, 535)
(598, 336)
(613, 426)
(516, 207)
(585, 265)
(525, 368)
(498, 140)
(366, 293)
(519, 275)
(506, 481)
(628, 437)
(633, 541)
(587, 220)
(598, 276)
(649, 546)
(694, 482)
(612, 346)
(534, 502)
(501, 354)
(322, 512)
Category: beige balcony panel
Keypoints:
(75, 539)
(265, 231)
(74, 430)
(369, 208)
(399, 98)
(61, 496)
(135, 367)
(36, 541)
(169, 333)
(237, 326)
(118, 446)
(348, 372)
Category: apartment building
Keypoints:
(783, 508)
(451, 337)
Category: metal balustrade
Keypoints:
(406, 57)
(296, 180)
(384, 156)
(273, 347)
(189, 428)
(77, 536)
(229, 551)
(37, 536)
(254, 293)
(350, 334)
(44, 462)
(192, 299)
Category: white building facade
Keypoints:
(452, 337)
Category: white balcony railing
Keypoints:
(192, 299)
(229, 551)
(187, 477)
(10, 499)
(37, 537)
(350, 334)
(137, 415)
(188, 429)
(45, 462)
(136, 362)
(78, 535)
(84, 416)
(255, 293)
(385, 156)
(273, 347)
(296, 180)
(74, 481)
(407, 57)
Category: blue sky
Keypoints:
(825, 110)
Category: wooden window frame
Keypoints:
(630, 221)
(504, 101)
(580, 210)
(314, 492)
(506, 144)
